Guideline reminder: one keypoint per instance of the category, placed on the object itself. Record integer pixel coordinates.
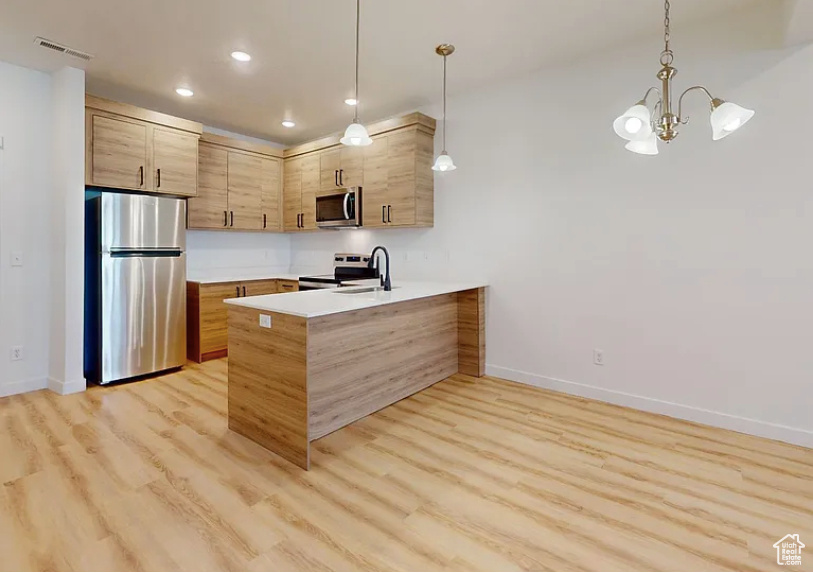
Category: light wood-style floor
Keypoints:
(469, 474)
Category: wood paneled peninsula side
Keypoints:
(304, 364)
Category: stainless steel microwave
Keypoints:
(339, 209)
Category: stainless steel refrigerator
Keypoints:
(135, 285)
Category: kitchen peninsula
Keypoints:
(304, 364)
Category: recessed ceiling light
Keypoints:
(351, 101)
(185, 92)
(241, 56)
(288, 123)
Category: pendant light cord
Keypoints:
(358, 20)
(444, 105)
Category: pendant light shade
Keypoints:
(648, 146)
(634, 124)
(727, 117)
(444, 161)
(356, 134)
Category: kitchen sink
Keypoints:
(352, 290)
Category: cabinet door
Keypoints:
(351, 170)
(310, 186)
(175, 162)
(400, 196)
(291, 194)
(209, 208)
(214, 316)
(374, 185)
(271, 192)
(245, 191)
(119, 153)
(260, 287)
(329, 164)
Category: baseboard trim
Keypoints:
(796, 436)
(22, 386)
(64, 388)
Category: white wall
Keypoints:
(224, 254)
(25, 182)
(67, 204)
(691, 270)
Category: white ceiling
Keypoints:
(302, 50)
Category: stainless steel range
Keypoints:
(348, 268)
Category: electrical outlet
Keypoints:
(265, 321)
(598, 357)
(16, 353)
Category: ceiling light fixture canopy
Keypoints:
(444, 161)
(356, 134)
(642, 127)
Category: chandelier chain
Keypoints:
(666, 56)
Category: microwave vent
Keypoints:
(57, 47)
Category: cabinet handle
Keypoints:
(159, 179)
(244, 291)
(238, 292)
(389, 213)
(383, 213)
(336, 177)
(264, 221)
(225, 218)
(141, 174)
(341, 177)
(232, 218)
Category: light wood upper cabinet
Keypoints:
(245, 192)
(292, 194)
(302, 181)
(341, 167)
(126, 146)
(310, 187)
(210, 208)
(240, 186)
(175, 162)
(119, 152)
(396, 192)
(375, 184)
(272, 193)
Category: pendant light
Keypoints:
(444, 161)
(356, 135)
(643, 128)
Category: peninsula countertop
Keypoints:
(313, 303)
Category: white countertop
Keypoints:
(227, 276)
(314, 303)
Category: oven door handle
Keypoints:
(346, 205)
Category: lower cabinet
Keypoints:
(207, 314)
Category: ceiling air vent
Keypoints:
(45, 43)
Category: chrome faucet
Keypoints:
(385, 280)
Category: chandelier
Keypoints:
(643, 128)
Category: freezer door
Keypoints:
(142, 222)
(143, 313)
